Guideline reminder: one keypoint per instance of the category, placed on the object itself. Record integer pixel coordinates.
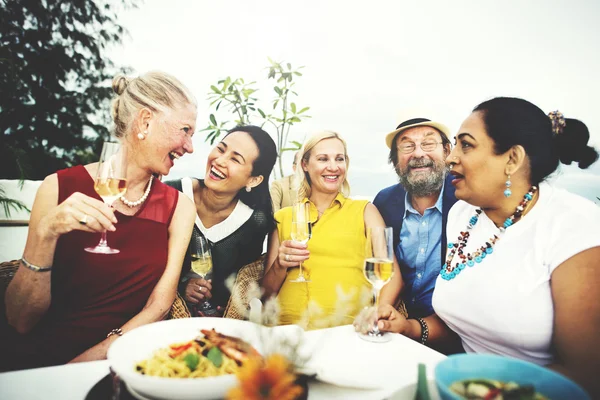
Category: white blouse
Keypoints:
(503, 305)
(238, 217)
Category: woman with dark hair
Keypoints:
(522, 267)
(234, 212)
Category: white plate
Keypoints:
(141, 343)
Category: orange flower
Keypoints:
(270, 380)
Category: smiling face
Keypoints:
(326, 166)
(169, 137)
(230, 163)
(479, 173)
(421, 172)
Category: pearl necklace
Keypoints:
(449, 271)
(141, 199)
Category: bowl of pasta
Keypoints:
(184, 359)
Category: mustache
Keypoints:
(420, 163)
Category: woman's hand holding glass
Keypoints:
(69, 214)
(300, 232)
(198, 290)
(292, 253)
(110, 184)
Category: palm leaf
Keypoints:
(7, 203)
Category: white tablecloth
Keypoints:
(341, 355)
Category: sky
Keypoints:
(371, 64)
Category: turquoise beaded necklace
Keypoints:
(449, 271)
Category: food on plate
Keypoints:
(489, 389)
(213, 354)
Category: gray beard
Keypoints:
(421, 185)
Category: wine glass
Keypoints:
(202, 266)
(379, 269)
(300, 231)
(110, 184)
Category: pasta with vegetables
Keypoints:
(214, 354)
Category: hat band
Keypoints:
(412, 122)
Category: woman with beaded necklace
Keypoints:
(522, 268)
(65, 304)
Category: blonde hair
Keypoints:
(301, 177)
(156, 91)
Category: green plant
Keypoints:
(238, 98)
(7, 203)
(54, 80)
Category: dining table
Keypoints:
(347, 367)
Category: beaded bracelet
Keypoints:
(117, 332)
(33, 267)
(424, 330)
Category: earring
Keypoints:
(450, 167)
(141, 135)
(508, 184)
(248, 189)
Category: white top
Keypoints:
(504, 304)
(240, 214)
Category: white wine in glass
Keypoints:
(300, 231)
(110, 184)
(202, 265)
(379, 270)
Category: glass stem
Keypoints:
(103, 242)
(300, 275)
(375, 327)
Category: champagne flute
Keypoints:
(110, 184)
(202, 266)
(300, 230)
(379, 269)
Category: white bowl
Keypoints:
(141, 343)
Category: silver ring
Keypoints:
(84, 220)
(287, 257)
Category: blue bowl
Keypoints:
(486, 366)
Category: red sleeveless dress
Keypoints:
(95, 293)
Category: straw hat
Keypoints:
(411, 123)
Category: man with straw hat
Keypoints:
(417, 207)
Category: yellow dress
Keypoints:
(337, 290)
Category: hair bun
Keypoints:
(119, 84)
(572, 144)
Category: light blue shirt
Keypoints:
(420, 253)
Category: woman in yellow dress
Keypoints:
(333, 258)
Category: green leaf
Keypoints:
(218, 105)
(290, 149)
(191, 360)
(304, 110)
(293, 107)
(297, 73)
(289, 66)
(215, 356)
(215, 89)
(213, 120)
(262, 113)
